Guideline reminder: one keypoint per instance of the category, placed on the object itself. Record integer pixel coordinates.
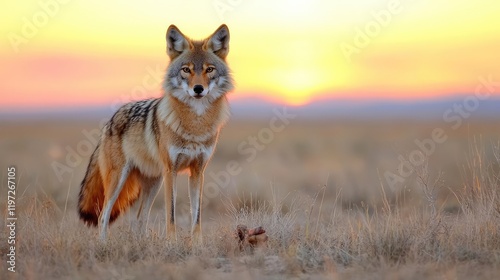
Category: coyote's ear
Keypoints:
(218, 42)
(176, 42)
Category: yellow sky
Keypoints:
(95, 52)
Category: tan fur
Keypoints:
(151, 141)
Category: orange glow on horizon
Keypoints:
(292, 53)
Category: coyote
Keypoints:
(147, 143)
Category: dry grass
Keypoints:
(437, 226)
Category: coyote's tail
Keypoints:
(91, 196)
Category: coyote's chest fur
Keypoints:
(187, 137)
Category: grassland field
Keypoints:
(339, 199)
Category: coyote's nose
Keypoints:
(198, 89)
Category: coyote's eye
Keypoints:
(210, 69)
(186, 69)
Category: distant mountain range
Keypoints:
(430, 109)
(322, 109)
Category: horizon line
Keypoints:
(246, 98)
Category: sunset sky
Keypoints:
(85, 53)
